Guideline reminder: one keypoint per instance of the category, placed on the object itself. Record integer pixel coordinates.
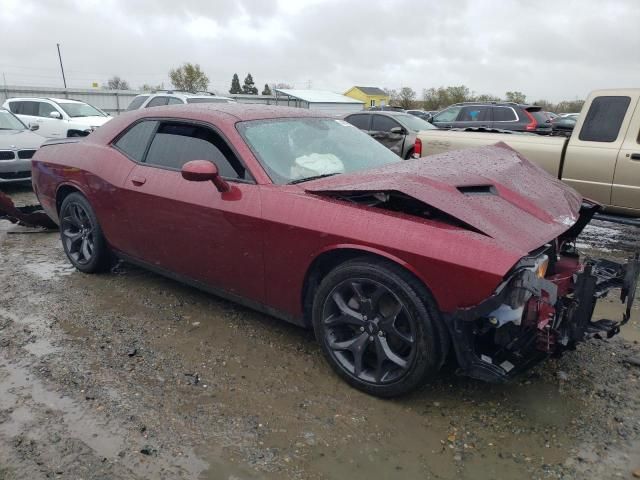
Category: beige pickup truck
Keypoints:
(601, 159)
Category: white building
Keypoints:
(328, 102)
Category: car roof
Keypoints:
(39, 99)
(176, 93)
(389, 113)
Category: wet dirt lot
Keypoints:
(129, 375)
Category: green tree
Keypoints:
(235, 84)
(516, 97)
(267, 90)
(189, 78)
(406, 97)
(117, 83)
(249, 87)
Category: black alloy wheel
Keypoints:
(81, 235)
(377, 326)
(369, 330)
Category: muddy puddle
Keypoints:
(130, 375)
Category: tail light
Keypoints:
(532, 125)
(417, 148)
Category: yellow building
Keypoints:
(371, 96)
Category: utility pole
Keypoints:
(64, 80)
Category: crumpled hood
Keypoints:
(19, 139)
(493, 189)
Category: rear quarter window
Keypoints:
(136, 102)
(604, 119)
(359, 121)
(134, 141)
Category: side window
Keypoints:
(381, 123)
(504, 114)
(175, 101)
(175, 144)
(44, 109)
(134, 142)
(136, 102)
(475, 113)
(24, 108)
(157, 102)
(15, 107)
(604, 118)
(448, 115)
(359, 121)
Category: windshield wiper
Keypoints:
(315, 177)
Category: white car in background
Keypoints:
(173, 97)
(17, 145)
(57, 117)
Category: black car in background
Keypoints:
(494, 115)
(395, 130)
(420, 114)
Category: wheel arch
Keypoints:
(331, 257)
(63, 191)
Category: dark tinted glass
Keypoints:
(360, 121)
(25, 108)
(175, 144)
(604, 118)
(135, 104)
(175, 101)
(504, 114)
(475, 113)
(44, 109)
(381, 123)
(448, 115)
(134, 142)
(157, 102)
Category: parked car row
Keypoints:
(601, 159)
(392, 263)
(395, 130)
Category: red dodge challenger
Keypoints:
(392, 262)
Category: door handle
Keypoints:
(138, 181)
(635, 156)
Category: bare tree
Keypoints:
(117, 83)
(407, 97)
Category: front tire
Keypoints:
(377, 327)
(81, 235)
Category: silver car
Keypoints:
(17, 145)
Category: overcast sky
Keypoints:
(551, 50)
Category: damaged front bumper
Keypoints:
(532, 315)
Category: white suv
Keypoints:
(57, 117)
(172, 97)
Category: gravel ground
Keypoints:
(129, 375)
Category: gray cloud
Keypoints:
(554, 51)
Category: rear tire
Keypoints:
(377, 326)
(81, 235)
